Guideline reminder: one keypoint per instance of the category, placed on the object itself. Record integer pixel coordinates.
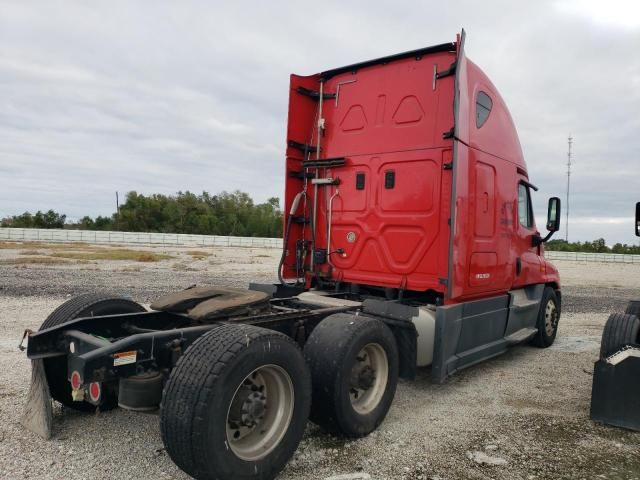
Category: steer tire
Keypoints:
(85, 305)
(339, 351)
(200, 404)
(633, 308)
(548, 319)
(620, 330)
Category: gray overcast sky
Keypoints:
(160, 96)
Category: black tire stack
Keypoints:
(621, 329)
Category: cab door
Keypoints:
(527, 260)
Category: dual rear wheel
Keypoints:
(237, 403)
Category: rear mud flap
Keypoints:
(615, 396)
(38, 412)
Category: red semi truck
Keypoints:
(409, 241)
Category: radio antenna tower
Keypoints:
(570, 140)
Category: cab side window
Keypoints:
(525, 212)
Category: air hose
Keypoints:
(285, 240)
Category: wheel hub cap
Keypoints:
(550, 318)
(260, 412)
(369, 376)
(253, 408)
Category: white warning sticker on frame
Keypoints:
(124, 358)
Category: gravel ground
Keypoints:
(523, 415)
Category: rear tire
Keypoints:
(236, 404)
(620, 330)
(354, 372)
(86, 305)
(633, 308)
(548, 319)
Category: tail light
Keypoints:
(95, 391)
(76, 381)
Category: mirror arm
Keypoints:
(537, 239)
(548, 236)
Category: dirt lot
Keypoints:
(524, 415)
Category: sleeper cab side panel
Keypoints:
(491, 264)
(484, 225)
(485, 188)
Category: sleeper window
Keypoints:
(483, 108)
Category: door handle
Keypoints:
(518, 266)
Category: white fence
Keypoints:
(179, 239)
(135, 238)
(593, 257)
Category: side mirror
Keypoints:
(638, 219)
(553, 221)
(553, 215)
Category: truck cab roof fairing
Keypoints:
(497, 135)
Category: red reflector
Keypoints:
(75, 380)
(94, 391)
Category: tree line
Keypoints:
(595, 246)
(227, 213)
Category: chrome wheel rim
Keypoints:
(260, 412)
(369, 377)
(550, 318)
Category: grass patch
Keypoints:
(152, 257)
(4, 245)
(198, 254)
(15, 245)
(34, 261)
(112, 254)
